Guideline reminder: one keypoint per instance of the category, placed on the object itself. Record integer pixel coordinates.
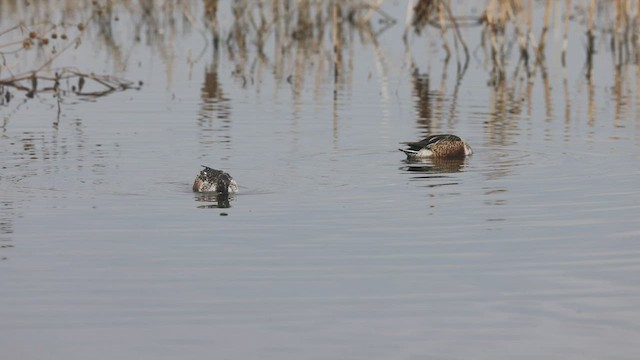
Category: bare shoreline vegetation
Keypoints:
(293, 39)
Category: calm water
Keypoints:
(335, 247)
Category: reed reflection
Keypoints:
(433, 173)
(622, 92)
(423, 101)
(434, 166)
(7, 216)
(214, 116)
(436, 109)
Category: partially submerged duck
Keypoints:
(212, 180)
(444, 146)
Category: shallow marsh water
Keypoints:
(335, 247)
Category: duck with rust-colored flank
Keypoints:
(444, 146)
(212, 180)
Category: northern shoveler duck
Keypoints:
(212, 180)
(444, 146)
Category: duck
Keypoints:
(443, 146)
(212, 180)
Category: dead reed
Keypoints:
(510, 23)
(41, 44)
(295, 41)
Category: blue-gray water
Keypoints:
(335, 247)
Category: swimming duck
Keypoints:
(443, 146)
(212, 180)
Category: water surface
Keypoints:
(335, 247)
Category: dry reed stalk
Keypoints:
(36, 81)
(443, 31)
(545, 29)
(337, 41)
(495, 17)
(372, 9)
(636, 36)
(459, 37)
(39, 79)
(529, 16)
(408, 20)
(565, 35)
(423, 13)
(616, 41)
(211, 15)
(590, 37)
(522, 36)
(279, 40)
(623, 31)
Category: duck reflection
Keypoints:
(434, 165)
(214, 200)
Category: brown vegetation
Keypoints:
(304, 39)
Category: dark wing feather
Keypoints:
(210, 173)
(218, 177)
(430, 141)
